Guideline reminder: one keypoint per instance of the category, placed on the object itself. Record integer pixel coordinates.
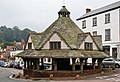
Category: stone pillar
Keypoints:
(73, 64)
(93, 62)
(81, 64)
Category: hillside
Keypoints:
(9, 35)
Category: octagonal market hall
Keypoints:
(63, 46)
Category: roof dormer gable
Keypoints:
(86, 38)
(29, 44)
(55, 40)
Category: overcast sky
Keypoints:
(37, 15)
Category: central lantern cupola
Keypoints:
(64, 12)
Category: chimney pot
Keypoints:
(88, 10)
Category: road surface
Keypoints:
(6, 72)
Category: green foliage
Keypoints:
(9, 35)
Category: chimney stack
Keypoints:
(88, 10)
(14, 43)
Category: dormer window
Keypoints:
(55, 45)
(88, 46)
(29, 45)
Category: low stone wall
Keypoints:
(46, 73)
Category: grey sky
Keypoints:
(37, 15)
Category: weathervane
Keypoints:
(63, 2)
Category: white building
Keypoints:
(14, 53)
(104, 21)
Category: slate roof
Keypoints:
(66, 28)
(35, 37)
(64, 10)
(101, 10)
(62, 54)
(70, 33)
(81, 38)
(98, 40)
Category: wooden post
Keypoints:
(73, 64)
(33, 65)
(37, 63)
(42, 66)
(28, 64)
(24, 62)
(54, 64)
(93, 62)
(86, 61)
(81, 65)
(100, 63)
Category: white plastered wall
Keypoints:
(30, 41)
(56, 38)
(88, 39)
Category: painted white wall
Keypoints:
(30, 41)
(114, 26)
(55, 38)
(88, 39)
(14, 53)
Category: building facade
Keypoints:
(61, 41)
(104, 21)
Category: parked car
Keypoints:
(46, 66)
(18, 65)
(2, 63)
(111, 62)
(11, 64)
(7, 64)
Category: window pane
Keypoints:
(29, 45)
(55, 45)
(107, 18)
(88, 46)
(51, 45)
(83, 24)
(95, 21)
(107, 34)
(59, 45)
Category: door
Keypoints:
(114, 52)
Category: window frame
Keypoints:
(107, 35)
(94, 21)
(30, 45)
(88, 46)
(83, 24)
(55, 45)
(107, 18)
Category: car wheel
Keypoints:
(117, 66)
